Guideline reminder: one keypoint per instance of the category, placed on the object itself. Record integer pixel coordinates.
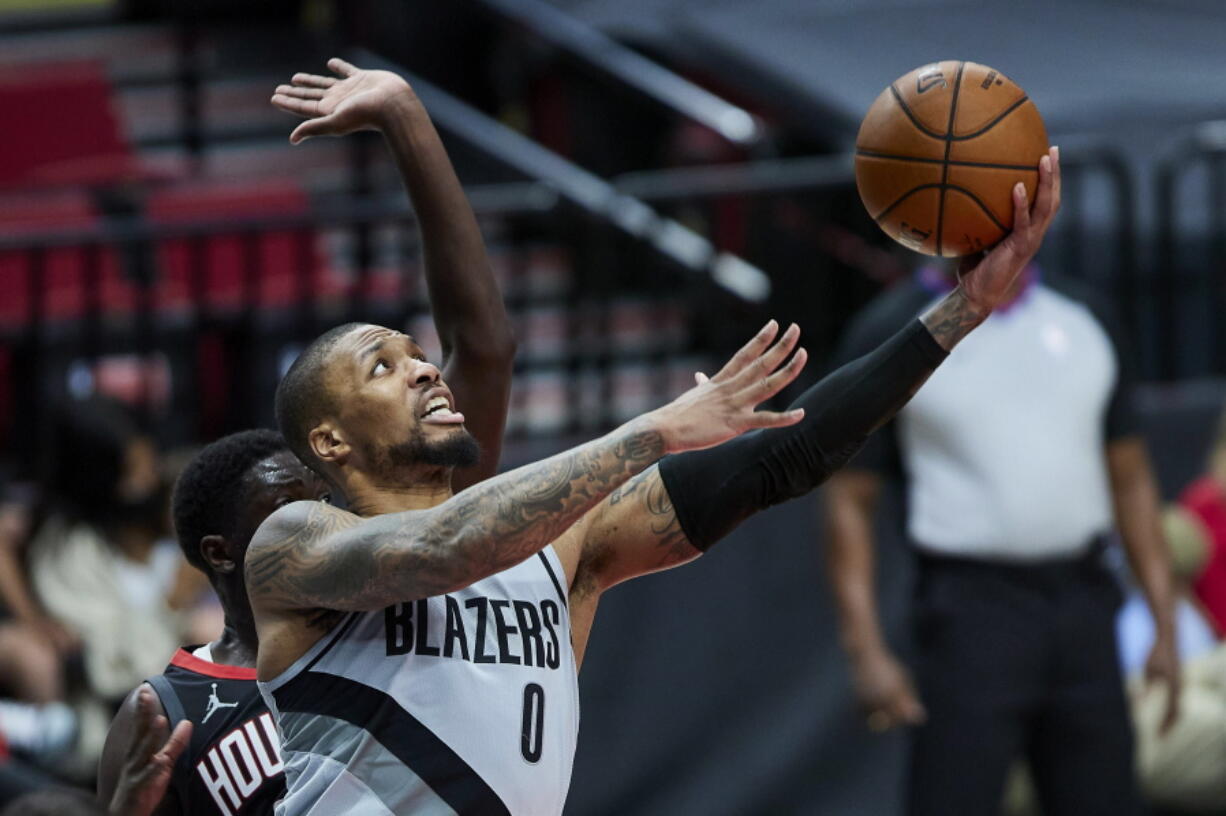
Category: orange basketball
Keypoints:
(938, 154)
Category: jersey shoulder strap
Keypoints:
(553, 576)
(175, 713)
(170, 698)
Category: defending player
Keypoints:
(414, 652)
(232, 763)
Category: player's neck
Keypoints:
(238, 643)
(408, 488)
(233, 648)
(375, 501)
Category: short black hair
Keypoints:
(302, 398)
(209, 493)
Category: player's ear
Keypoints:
(216, 553)
(328, 443)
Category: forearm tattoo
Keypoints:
(668, 544)
(336, 560)
(951, 319)
(639, 520)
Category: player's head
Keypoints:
(227, 490)
(364, 398)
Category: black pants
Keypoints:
(1020, 661)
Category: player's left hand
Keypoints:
(150, 759)
(357, 100)
(1163, 667)
(987, 283)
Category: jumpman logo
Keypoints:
(214, 704)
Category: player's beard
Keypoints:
(457, 449)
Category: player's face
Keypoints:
(394, 405)
(274, 482)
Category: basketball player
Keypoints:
(414, 651)
(232, 764)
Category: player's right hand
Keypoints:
(885, 692)
(722, 407)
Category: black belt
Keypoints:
(1044, 571)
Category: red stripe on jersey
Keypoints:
(186, 660)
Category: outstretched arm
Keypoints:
(478, 347)
(676, 510)
(312, 556)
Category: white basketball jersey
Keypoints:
(466, 703)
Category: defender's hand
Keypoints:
(886, 694)
(150, 759)
(987, 283)
(358, 100)
(722, 407)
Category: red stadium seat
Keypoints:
(276, 255)
(64, 290)
(61, 129)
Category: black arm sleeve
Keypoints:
(716, 489)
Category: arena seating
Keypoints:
(124, 164)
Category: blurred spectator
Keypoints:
(34, 724)
(101, 561)
(1184, 768)
(31, 642)
(1205, 500)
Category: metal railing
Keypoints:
(839, 259)
(689, 250)
(603, 55)
(586, 299)
(1190, 274)
(614, 246)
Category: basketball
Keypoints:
(939, 152)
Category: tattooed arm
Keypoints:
(311, 556)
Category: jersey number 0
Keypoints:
(534, 722)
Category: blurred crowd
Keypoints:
(95, 594)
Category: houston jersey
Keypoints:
(466, 703)
(232, 767)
